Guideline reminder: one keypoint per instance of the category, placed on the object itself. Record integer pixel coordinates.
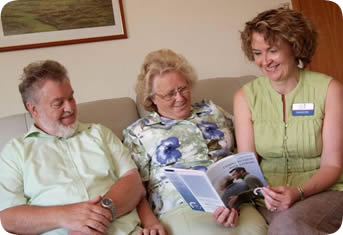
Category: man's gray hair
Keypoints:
(35, 75)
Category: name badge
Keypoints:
(303, 109)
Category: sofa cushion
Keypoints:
(220, 90)
(14, 126)
(115, 114)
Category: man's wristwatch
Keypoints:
(108, 204)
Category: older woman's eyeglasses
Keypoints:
(183, 91)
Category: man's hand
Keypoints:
(87, 218)
(226, 216)
(156, 229)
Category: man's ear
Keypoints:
(32, 109)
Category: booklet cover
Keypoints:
(229, 182)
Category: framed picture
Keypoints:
(29, 24)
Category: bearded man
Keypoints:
(64, 176)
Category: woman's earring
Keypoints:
(300, 64)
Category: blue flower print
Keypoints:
(205, 109)
(167, 151)
(210, 130)
(168, 123)
(145, 121)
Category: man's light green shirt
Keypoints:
(40, 169)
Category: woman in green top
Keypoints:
(292, 118)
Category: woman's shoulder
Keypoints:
(255, 85)
(139, 124)
(312, 78)
(315, 75)
(205, 106)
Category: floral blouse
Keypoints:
(156, 142)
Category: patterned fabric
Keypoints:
(290, 151)
(156, 142)
(40, 169)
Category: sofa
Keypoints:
(118, 113)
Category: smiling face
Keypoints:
(277, 62)
(55, 112)
(176, 107)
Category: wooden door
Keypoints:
(327, 17)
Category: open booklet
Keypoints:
(229, 182)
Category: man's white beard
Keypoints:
(67, 131)
(56, 128)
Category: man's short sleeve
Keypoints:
(11, 176)
(120, 154)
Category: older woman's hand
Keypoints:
(156, 229)
(280, 198)
(226, 216)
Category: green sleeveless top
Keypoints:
(290, 151)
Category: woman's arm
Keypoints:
(150, 223)
(331, 164)
(243, 123)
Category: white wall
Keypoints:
(206, 32)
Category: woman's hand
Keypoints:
(280, 198)
(226, 216)
(156, 229)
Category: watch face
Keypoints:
(108, 204)
(106, 201)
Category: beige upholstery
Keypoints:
(118, 113)
(115, 114)
(219, 90)
(12, 126)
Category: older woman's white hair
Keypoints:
(157, 63)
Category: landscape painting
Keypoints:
(40, 23)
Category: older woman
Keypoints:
(292, 118)
(176, 133)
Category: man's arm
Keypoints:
(86, 217)
(127, 192)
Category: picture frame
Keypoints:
(84, 34)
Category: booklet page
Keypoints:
(195, 188)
